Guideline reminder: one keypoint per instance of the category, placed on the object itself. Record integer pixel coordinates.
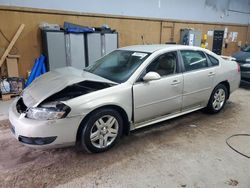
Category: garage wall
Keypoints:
(29, 43)
(130, 30)
(248, 34)
(223, 11)
(232, 46)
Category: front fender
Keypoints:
(120, 95)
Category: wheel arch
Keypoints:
(120, 110)
(227, 85)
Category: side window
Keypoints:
(164, 65)
(194, 60)
(213, 60)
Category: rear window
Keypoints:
(213, 60)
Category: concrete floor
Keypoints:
(4, 107)
(188, 151)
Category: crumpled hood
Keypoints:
(54, 81)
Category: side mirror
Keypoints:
(151, 76)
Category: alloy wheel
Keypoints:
(219, 99)
(104, 131)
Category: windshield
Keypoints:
(246, 49)
(118, 66)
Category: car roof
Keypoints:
(155, 47)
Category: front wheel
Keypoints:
(101, 131)
(218, 99)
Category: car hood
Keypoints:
(241, 55)
(54, 81)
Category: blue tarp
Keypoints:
(73, 28)
(37, 70)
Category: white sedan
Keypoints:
(129, 88)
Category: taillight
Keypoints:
(238, 67)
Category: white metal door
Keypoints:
(157, 98)
(197, 87)
(198, 79)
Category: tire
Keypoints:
(217, 99)
(101, 131)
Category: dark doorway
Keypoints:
(217, 41)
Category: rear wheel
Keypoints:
(218, 99)
(101, 131)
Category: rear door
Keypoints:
(198, 78)
(159, 97)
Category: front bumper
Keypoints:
(45, 134)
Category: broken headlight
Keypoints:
(48, 111)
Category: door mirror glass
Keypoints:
(151, 76)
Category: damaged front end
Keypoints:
(77, 90)
(53, 107)
(45, 111)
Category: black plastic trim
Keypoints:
(37, 140)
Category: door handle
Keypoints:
(175, 82)
(211, 74)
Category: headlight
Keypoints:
(48, 111)
(248, 60)
(246, 65)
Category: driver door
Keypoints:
(159, 97)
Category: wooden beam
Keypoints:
(13, 56)
(13, 41)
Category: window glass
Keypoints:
(119, 65)
(213, 60)
(164, 65)
(194, 60)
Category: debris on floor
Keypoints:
(232, 182)
(193, 126)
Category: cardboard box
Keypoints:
(12, 65)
